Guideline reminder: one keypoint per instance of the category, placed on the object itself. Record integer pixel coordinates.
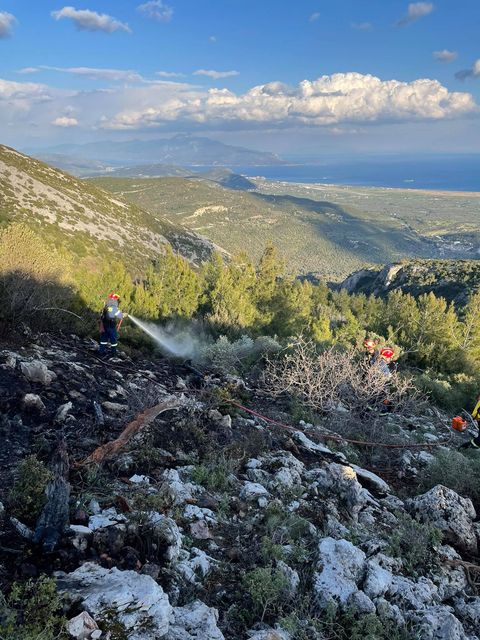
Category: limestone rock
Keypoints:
(137, 601)
(195, 621)
(450, 513)
(340, 569)
(252, 491)
(439, 623)
(82, 626)
(33, 402)
(37, 371)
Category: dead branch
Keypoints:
(53, 520)
(110, 449)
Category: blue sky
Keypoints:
(245, 72)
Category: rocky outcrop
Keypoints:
(449, 512)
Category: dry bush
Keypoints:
(331, 379)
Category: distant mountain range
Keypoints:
(183, 150)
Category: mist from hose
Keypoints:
(180, 342)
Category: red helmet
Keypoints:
(113, 296)
(387, 353)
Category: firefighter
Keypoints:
(110, 322)
(370, 347)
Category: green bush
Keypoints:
(414, 543)
(455, 470)
(215, 475)
(32, 611)
(27, 497)
(268, 589)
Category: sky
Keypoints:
(306, 77)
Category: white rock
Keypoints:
(253, 463)
(192, 512)
(412, 594)
(136, 479)
(193, 564)
(450, 580)
(114, 407)
(340, 568)
(252, 491)
(107, 518)
(286, 478)
(291, 575)
(378, 579)
(468, 610)
(37, 371)
(439, 623)
(82, 626)
(371, 480)
(32, 401)
(62, 412)
(178, 491)
(269, 634)
(137, 601)
(96, 635)
(316, 448)
(449, 512)
(167, 531)
(195, 621)
(81, 536)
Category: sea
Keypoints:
(444, 173)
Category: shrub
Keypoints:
(413, 542)
(215, 475)
(35, 280)
(268, 589)
(324, 379)
(27, 497)
(237, 356)
(456, 471)
(33, 611)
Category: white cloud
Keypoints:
(28, 70)
(169, 74)
(339, 102)
(415, 11)
(445, 55)
(314, 17)
(65, 122)
(86, 20)
(7, 20)
(473, 72)
(10, 90)
(98, 74)
(328, 101)
(212, 39)
(211, 73)
(156, 10)
(362, 26)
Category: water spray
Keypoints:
(181, 343)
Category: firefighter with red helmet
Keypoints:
(110, 321)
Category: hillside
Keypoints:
(454, 280)
(161, 511)
(328, 231)
(84, 219)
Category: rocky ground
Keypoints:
(209, 523)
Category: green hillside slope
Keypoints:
(82, 218)
(330, 234)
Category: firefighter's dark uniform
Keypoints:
(111, 316)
